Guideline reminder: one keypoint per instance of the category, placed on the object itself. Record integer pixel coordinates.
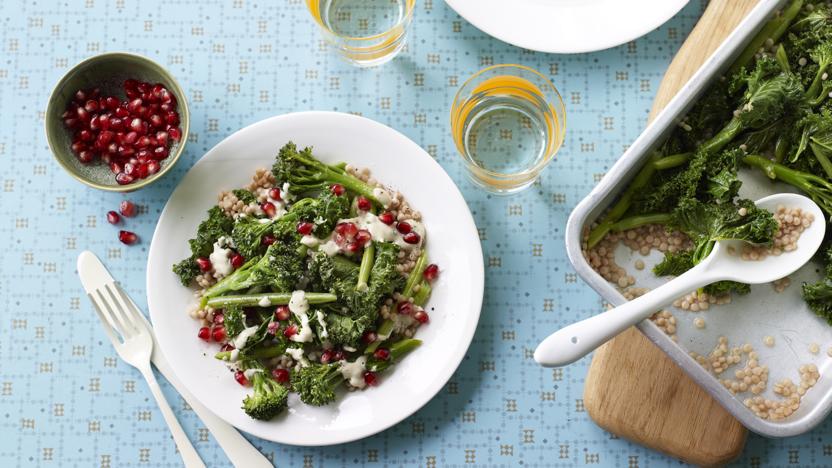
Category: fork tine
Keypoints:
(139, 320)
(129, 328)
(111, 314)
(111, 334)
(129, 312)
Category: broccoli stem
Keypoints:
(248, 300)
(820, 154)
(817, 188)
(266, 352)
(384, 330)
(814, 91)
(397, 351)
(782, 59)
(773, 30)
(338, 174)
(669, 162)
(366, 266)
(640, 220)
(721, 139)
(422, 295)
(416, 274)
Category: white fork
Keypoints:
(122, 320)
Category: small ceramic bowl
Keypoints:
(108, 72)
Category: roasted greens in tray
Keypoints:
(772, 113)
(311, 279)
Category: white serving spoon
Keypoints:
(573, 342)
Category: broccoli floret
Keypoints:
(346, 330)
(304, 173)
(248, 235)
(268, 400)
(187, 270)
(234, 320)
(316, 384)
(245, 196)
(818, 297)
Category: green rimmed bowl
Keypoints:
(108, 72)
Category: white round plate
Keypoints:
(452, 241)
(566, 26)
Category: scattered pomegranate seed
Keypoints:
(237, 260)
(412, 238)
(369, 337)
(274, 194)
(267, 239)
(363, 204)
(431, 272)
(346, 229)
(386, 218)
(127, 237)
(337, 189)
(204, 264)
(305, 228)
(339, 355)
(353, 247)
(363, 237)
(421, 316)
(218, 318)
(127, 208)
(326, 356)
(113, 217)
(404, 308)
(382, 354)
(290, 331)
(218, 334)
(269, 209)
(241, 379)
(272, 328)
(370, 378)
(282, 313)
(280, 375)
(175, 134)
(403, 227)
(226, 347)
(204, 333)
(153, 167)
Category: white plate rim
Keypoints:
(158, 269)
(528, 23)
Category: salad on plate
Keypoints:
(312, 278)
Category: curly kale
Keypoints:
(216, 225)
(674, 264)
(268, 400)
(245, 196)
(234, 320)
(187, 270)
(316, 384)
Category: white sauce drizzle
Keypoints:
(383, 196)
(264, 302)
(354, 371)
(300, 306)
(249, 373)
(320, 316)
(380, 231)
(297, 355)
(220, 259)
(310, 241)
(330, 248)
(416, 227)
(240, 340)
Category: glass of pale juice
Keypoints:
(365, 33)
(508, 122)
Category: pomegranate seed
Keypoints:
(326, 356)
(130, 138)
(141, 170)
(241, 379)
(363, 204)
(143, 87)
(104, 121)
(130, 170)
(218, 334)
(269, 209)
(86, 156)
(382, 354)
(131, 84)
(160, 152)
(339, 356)
(115, 167)
(267, 240)
(136, 125)
(116, 124)
(162, 137)
(274, 194)
(126, 151)
(127, 208)
(337, 189)
(280, 375)
(91, 105)
(346, 229)
(153, 167)
(71, 122)
(113, 217)
(362, 237)
(127, 237)
(290, 331)
(272, 328)
(305, 228)
(94, 123)
(172, 118)
(370, 378)
(83, 115)
(111, 102)
(412, 238)
(175, 133)
(431, 272)
(156, 120)
(353, 247)
(85, 135)
(369, 336)
(122, 112)
(124, 179)
(237, 260)
(404, 308)
(105, 137)
(204, 333)
(78, 146)
(134, 105)
(142, 142)
(80, 95)
(282, 313)
(218, 318)
(421, 316)
(404, 227)
(226, 347)
(112, 148)
(204, 264)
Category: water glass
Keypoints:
(364, 32)
(508, 122)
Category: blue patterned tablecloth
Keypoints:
(66, 399)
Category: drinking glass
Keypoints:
(364, 32)
(507, 122)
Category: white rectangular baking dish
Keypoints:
(747, 319)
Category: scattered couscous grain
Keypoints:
(791, 224)
(639, 264)
(814, 348)
(699, 322)
(768, 341)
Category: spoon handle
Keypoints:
(573, 342)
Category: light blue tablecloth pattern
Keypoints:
(66, 399)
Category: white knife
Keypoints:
(240, 452)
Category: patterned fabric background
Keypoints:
(67, 400)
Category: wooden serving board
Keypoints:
(633, 389)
